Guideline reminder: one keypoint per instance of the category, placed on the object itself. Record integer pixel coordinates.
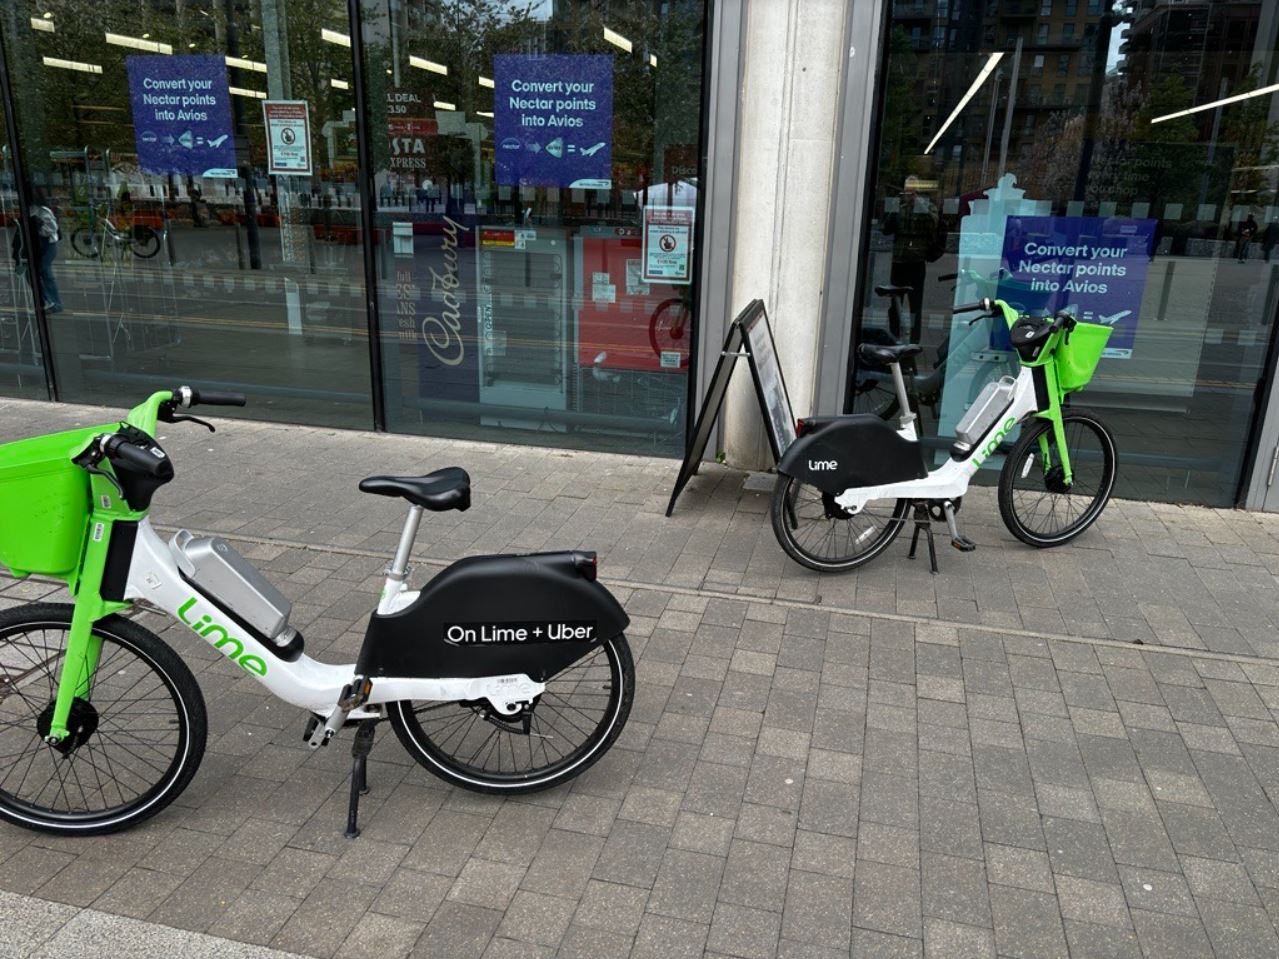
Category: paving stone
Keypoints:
(1091, 941)
(1027, 924)
(611, 906)
(1237, 931)
(583, 942)
(533, 917)
(661, 937)
(887, 899)
(457, 930)
(1089, 901)
(955, 889)
(376, 936)
(743, 931)
(953, 940)
(564, 864)
(687, 886)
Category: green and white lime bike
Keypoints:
(504, 674)
(847, 484)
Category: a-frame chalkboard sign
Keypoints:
(749, 336)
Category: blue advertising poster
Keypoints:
(553, 119)
(182, 115)
(1096, 264)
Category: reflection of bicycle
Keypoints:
(503, 674)
(872, 388)
(670, 330)
(846, 484)
(91, 237)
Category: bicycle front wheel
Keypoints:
(145, 242)
(558, 736)
(85, 242)
(817, 532)
(1037, 504)
(135, 741)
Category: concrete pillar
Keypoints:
(786, 144)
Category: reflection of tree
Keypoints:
(1133, 160)
(1246, 126)
(900, 136)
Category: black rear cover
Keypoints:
(491, 615)
(841, 452)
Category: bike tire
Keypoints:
(166, 749)
(786, 494)
(406, 720)
(1019, 480)
(85, 242)
(145, 242)
(662, 335)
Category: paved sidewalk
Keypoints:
(888, 763)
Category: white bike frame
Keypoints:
(951, 479)
(305, 682)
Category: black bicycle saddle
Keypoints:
(874, 353)
(449, 488)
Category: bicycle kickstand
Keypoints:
(360, 749)
(924, 523)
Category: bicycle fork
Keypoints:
(81, 656)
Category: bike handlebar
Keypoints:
(217, 398)
(118, 448)
(984, 305)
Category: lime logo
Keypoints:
(222, 641)
(819, 465)
(995, 441)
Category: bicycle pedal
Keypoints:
(963, 544)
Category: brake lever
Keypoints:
(187, 418)
(88, 461)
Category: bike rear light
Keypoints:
(800, 427)
(587, 564)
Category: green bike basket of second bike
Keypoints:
(44, 504)
(1078, 354)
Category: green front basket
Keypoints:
(44, 503)
(1077, 356)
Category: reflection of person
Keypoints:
(917, 239)
(1247, 230)
(1268, 238)
(44, 227)
(195, 196)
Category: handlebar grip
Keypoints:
(981, 306)
(151, 461)
(217, 398)
(947, 277)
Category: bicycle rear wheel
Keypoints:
(145, 242)
(560, 735)
(1036, 503)
(817, 532)
(135, 740)
(670, 331)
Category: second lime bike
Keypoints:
(848, 484)
(503, 674)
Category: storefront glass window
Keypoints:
(21, 366)
(182, 257)
(1135, 179)
(535, 170)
